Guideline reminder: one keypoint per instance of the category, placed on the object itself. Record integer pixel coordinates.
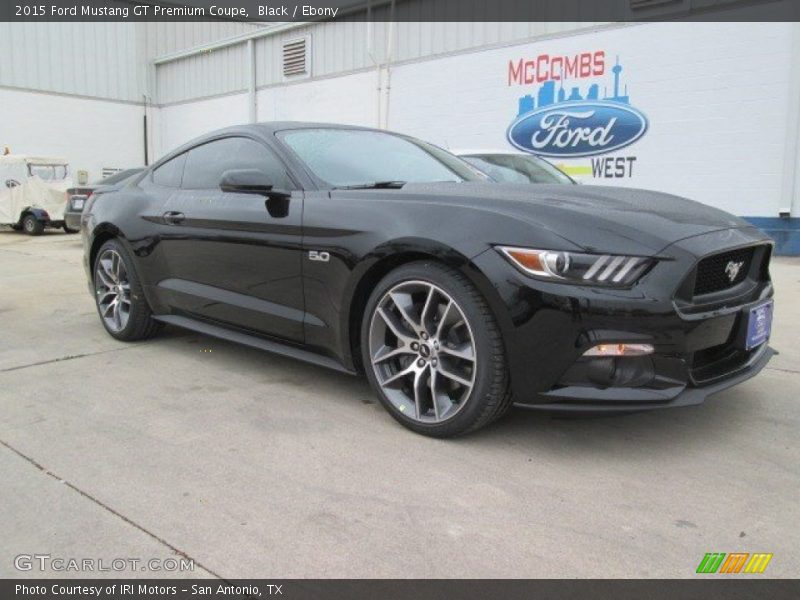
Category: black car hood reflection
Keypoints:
(597, 218)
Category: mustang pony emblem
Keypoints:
(732, 269)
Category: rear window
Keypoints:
(48, 172)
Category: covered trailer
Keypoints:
(33, 192)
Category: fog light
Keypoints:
(619, 350)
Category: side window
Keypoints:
(206, 164)
(169, 174)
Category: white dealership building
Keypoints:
(716, 105)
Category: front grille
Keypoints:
(714, 272)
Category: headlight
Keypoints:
(590, 269)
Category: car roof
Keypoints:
(263, 129)
(273, 126)
(281, 125)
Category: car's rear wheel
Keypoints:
(70, 230)
(120, 302)
(32, 226)
(433, 351)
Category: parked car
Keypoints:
(515, 167)
(33, 192)
(373, 252)
(78, 196)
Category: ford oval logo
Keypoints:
(571, 129)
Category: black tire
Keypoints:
(490, 395)
(70, 230)
(31, 225)
(140, 324)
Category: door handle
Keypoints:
(173, 218)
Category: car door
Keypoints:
(148, 200)
(231, 261)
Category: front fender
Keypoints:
(387, 257)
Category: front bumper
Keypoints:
(699, 343)
(583, 399)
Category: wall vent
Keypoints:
(295, 57)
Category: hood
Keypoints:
(595, 218)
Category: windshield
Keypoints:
(353, 157)
(516, 168)
(48, 172)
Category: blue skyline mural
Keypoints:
(547, 94)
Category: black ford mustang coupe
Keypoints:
(367, 251)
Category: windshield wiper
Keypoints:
(375, 185)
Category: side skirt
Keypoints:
(252, 341)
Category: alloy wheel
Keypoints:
(113, 290)
(422, 351)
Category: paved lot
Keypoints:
(256, 465)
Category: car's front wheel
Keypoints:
(433, 351)
(121, 304)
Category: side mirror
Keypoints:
(245, 181)
(253, 181)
